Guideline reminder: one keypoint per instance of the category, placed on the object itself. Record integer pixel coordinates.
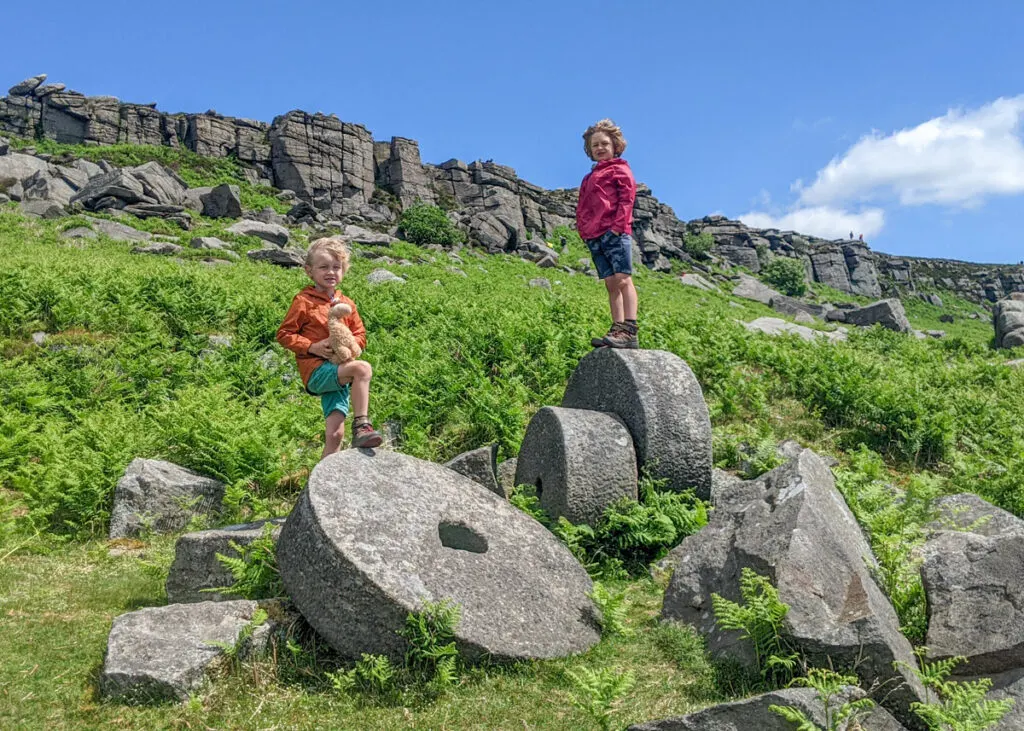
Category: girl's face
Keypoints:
(325, 271)
(601, 146)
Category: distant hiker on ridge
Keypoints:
(305, 333)
(604, 219)
(851, 236)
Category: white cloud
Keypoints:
(823, 221)
(958, 159)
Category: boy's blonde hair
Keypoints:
(609, 128)
(332, 245)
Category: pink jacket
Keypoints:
(606, 199)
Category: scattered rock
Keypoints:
(41, 209)
(541, 282)
(270, 232)
(479, 465)
(211, 243)
(280, 257)
(695, 280)
(507, 476)
(118, 231)
(1008, 320)
(383, 276)
(40, 338)
(753, 289)
(580, 462)
(360, 235)
(26, 87)
(804, 319)
(160, 248)
(887, 313)
(79, 232)
(376, 533)
(776, 326)
(161, 497)
(225, 201)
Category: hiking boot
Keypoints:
(365, 436)
(624, 336)
(602, 342)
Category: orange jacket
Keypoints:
(306, 323)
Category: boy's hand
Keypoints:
(322, 349)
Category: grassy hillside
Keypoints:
(462, 357)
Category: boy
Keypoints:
(604, 220)
(304, 332)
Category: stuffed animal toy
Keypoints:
(343, 343)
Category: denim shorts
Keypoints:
(324, 383)
(611, 254)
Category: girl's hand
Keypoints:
(322, 349)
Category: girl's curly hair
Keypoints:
(609, 128)
(334, 246)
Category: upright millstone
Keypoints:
(580, 462)
(376, 534)
(660, 401)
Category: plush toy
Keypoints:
(343, 343)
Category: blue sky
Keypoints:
(900, 120)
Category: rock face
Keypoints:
(793, 526)
(660, 401)
(754, 713)
(580, 462)
(163, 653)
(887, 313)
(196, 568)
(161, 497)
(974, 580)
(753, 289)
(1008, 320)
(479, 465)
(375, 534)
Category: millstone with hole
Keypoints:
(375, 534)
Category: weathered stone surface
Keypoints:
(660, 401)
(79, 232)
(541, 283)
(224, 201)
(695, 280)
(280, 257)
(830, 268)
(580, 461)
(104, 191)
(270, 232)
(863, 274)
(776, 326)
(754, 714)
(118, 231)
(753, 289)
(159, 496)
(479, 465)
(1008, 320)
(974, 581)
(41, 209)
(383, 276)
(17, 168)
(27, 86)
(160, 184)
(888, 313)
(159, 248)
(375, 534)
(402, 173)
(792, 306)
(208, 242)
(163, 653)
(507, 476)
(793, 526)
(196, 568)
(360, 235)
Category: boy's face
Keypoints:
(601, 146)
(325, 271)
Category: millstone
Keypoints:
(660, 401)
(580, 462)
(375, 534)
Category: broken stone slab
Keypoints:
(755, 713)
(270, 232)
(103, 190)
(78, 232)
(223, 201)
(888, 313)
(161, 497)
(973, 576)
(196, 568)
(479, 465)
(26, 87)
(383, 276)
(16, 167)
(42, 209)
(580, 461)
(507, 476)
(280, 257)
(777, 326)
(753, 289)
(118, 231)
(375, 534)
(695, 280)
(211, 243)
(164, 653)
(360, 235)
(793, 526)
(793, 306)
(659, 400)
(159, 248)
(159, 183)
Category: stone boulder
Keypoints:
(383, 276)
(507, 476)
(887, 313)
(270, 232)
(164, 653)
(209, 243)
(754, 714)
(376, 533)
(288, 258)
(160, 184)
(753, 289)
(695, 280)
(793, 526)
(16, 168)
(973, 575)
(479, 465)
(222, 201)
(1008, 320)
(26, 87)
(41, 209)
(196, 568)
(115, 189)
(580, 461)
(660, 401)
(360, 235)
(777, 326)
(793, 306)
(162, 497)
(118, 231)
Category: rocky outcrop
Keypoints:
(1008, 320)
(161, 497)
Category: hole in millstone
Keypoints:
(540, 487)
(461, 537)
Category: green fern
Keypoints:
(955, 705)
(432, 656)
(254, 569)
(599, 693)
(233, 650)
(829, 684)
(373, 675)
(613, 610)
(525, 498)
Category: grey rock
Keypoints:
(829, 265)
(792, 525)
(888, 313)
(164, 653)
(281, 257)
(658, 398)
(224, 201)
(580, 461)
(936, 334)
(79, 232)
(27, 86)
(270, 232)
(5, 145)
(947, 318)
(159, 248)
(159, 183)
(792, 306)
(360, 235)
(211, 243)
(479, 465)
(193, 198)
(1008, 320)
(102, 191)
(375, 534)
(91, 169)
(776, 326)
(118, 231)
(40, 337)
(196, 569)
(161, 497)
(383, 276)
(541, 282)
(804, 319)
(754, 714)
(17, 168)
(695, 280)
(41, 209)
(507, 476)
(46, 89)
(752, 289)
(970, 513)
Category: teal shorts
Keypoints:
(324, 383)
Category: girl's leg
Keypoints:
(334, 432)
(615, 299)
(628, 292)
(358, 373)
